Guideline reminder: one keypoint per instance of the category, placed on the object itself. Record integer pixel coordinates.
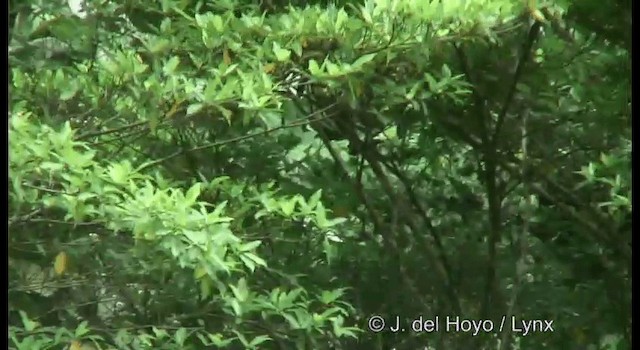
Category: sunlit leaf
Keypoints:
(60, 263)
(226, 56)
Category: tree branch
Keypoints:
(532, 36)
(300, 122)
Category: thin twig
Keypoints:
(300, 122)
(532, 36)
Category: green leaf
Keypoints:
(366, 15)
(446, 72)
(202, 20)
(82, 329)
(336, 221)
(217, 212)
(218, 340)
(180, 336)
(390, 133)
(329, 251)
(192, 194)
(362, 60)
(414, 89)
(218, 24)
(196, 237)
(433, 83)
(314, 68)
(333, 69)
(321, 216)
(287, 300)
(194, 108)
(250, 264)
(240, 291)
(159, 332)
(314, 199)
(28, 324)
(119, 173)
(226, 114)
(159, 46)
(293, 322)
(288, 206)
(205, 289)
(61, 332)
(256, 259)
(296, 47)
(332, 311)
(330, 296)
(282, 55)
(341, 19)
(237, 309)
(341, 331)
(171, 65)
(250, 246)
(68, 93)
(67, 28)
(165, 26)
(259, 340)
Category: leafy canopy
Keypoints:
(190, 174)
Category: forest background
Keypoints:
(220, 175)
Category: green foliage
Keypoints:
(190, 174)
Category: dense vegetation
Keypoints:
(221, 175)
